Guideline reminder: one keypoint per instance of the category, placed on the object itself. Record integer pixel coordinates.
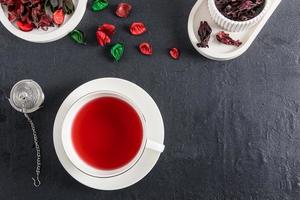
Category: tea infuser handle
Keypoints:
(36, 182)
(155, 146)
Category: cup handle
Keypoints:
(155, 146)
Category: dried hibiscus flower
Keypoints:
(240, 10)
(226, 39)
(123, 10)
(137, 28)
(204, 33)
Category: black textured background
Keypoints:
(232, 128)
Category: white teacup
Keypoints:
(68, 143)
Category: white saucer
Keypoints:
(155, 128)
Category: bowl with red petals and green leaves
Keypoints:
(41, 21)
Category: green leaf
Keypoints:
(117, 51)
(54, 4)
(99, 5)
(68, 7)
(46, 4)
(78, 36)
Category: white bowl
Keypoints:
(53, 33)
(231, 25)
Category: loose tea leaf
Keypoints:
(123, 10)
(146, 48)
(204, 33)
(174, 53)
(99, 5)
(68, 7)
(117, 51)
(59, 17)
(78, 36)
(240, 10)
(226, 39)
(137, 28)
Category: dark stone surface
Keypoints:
(232, 128)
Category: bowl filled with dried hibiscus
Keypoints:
(237, 15)
(41, 21)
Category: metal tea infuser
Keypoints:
(27, 96)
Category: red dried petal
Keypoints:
(102, 38)
(108, 29)
(45, 22)
(175, 53)
(204, 33)
(123, 10)
(12, 16)
(145, 48)
(59, 17)
(137, 28)
(226, 39)
(36, 12)
(24, 26)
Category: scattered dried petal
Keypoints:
(145, 48)
(58, 17)
(226, 39)
(78, 36)
(25, 26)
(117, 51)
(123, 10)
(240, 10)
(108, 29)
(175, 53)
(204, 33)
(99, 5)
(102, 38)
(137, 28)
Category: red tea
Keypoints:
(107, 133)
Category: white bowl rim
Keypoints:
(51, 36)
(267, 2)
